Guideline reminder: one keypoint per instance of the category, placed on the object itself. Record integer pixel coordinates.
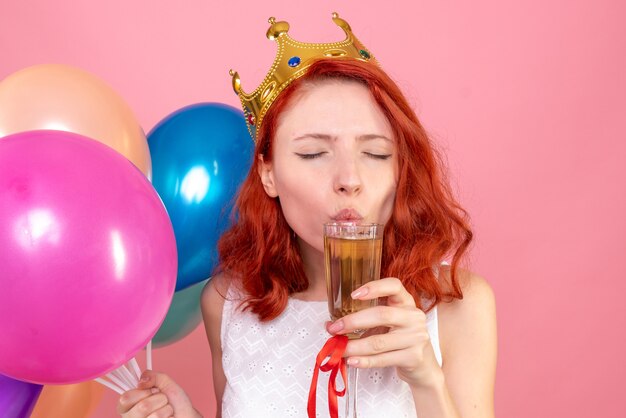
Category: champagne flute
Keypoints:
(352, 253)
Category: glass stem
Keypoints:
(351, 392)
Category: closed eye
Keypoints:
(378, 156)
(310, 156)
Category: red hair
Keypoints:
(427, 224)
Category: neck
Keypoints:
(313, 262)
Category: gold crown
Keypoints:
(292, 60)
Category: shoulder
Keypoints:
(471, 319)
(468, 342)
(213, 296)
(212, 304)
(475, 288)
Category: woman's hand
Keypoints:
(406, 344)
(156, 396)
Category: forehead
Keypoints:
(335, 107)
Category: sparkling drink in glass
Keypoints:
(352, 254)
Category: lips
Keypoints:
(347, 215)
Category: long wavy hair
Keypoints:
(427, 224)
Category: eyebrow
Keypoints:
(326, 137)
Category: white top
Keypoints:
(269, 366)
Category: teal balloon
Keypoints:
(200, 156)
(183, 316)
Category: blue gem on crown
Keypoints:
(299, 56)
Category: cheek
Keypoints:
(390, 198)
(303, 202)
(304, 220)
(299, 199)
(300, 186)
(385, 187)
(388, 204)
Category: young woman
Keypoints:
(341, 143)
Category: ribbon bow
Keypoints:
(334, 349)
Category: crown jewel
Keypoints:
(292, 60)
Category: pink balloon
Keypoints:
(87, 258)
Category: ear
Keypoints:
(266, 173)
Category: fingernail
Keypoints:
(359, 292)
(336, 326)
(144, 379)
(154, 390)
(352, 361)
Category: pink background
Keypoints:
(524, 96)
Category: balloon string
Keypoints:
(125, 385)
(149, 355)
(109, 385)
(115, 379)
(135, 368)
(129, 376)
(119, 372)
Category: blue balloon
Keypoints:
(200, 156)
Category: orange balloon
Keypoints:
(68, 401)
(63, 98)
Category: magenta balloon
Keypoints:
(87, 258)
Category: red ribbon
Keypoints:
(334, 349)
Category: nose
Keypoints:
(347, 179)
